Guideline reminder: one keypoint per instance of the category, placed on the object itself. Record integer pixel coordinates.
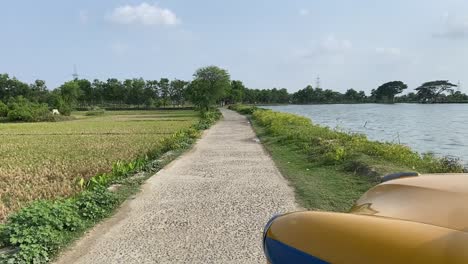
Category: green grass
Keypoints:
(317, 187)
(44, 160)
(330, 169)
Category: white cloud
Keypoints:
(83, 16)
(388, 51)
(304, 12)
(144, 14)
(453, 27)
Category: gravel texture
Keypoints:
(208, 206)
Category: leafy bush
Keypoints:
(95, 204)
(56, 101)
(243, 109)
(20, 109)
(20, 114)
(208, 118)
(3, 109)
(65, 109)
(39, 229)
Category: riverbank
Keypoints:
(437, 129)
(330, 169)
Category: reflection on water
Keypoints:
(438, 128)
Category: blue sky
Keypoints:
(350, 44)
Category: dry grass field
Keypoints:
(44, 160)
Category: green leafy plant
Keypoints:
(21, 109)
(40, 228)
(95, 204)
(243, 109)
(3, 109)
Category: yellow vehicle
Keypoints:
(405, 219)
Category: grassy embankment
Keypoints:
(329, 169)
(80, 159)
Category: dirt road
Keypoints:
(208, 206)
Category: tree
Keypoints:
(114, 91)
(407, 98)
(351, 95)
(251, 96)
(387, 91)
(164, 86)
(177, 90)
(12, 87)
(305, 96)
(87, 96)
(236, 94)
(331, 96)
(98, 88)
(3, 109)
(39, 92)
(56, 101)
(151, 90)
(457, 97)
(136, 91)
(432, 91)
(70, 92)
(362, 96)
(208, 86)
(283, 96)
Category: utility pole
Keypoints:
(459, 86)
(75, 72)
(317, 82)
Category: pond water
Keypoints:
(438, 128)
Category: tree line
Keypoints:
(20, 101)
(210, 85)
(441, 91)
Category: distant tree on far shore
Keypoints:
(352, 95)
(432, 92)
(386, 92)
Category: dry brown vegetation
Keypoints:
(45, 160)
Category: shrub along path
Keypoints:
(208, 206)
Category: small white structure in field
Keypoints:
(55, 112)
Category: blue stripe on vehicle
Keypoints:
(279, 253)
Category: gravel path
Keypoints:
(208, 206)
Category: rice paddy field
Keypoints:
(45, 160)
